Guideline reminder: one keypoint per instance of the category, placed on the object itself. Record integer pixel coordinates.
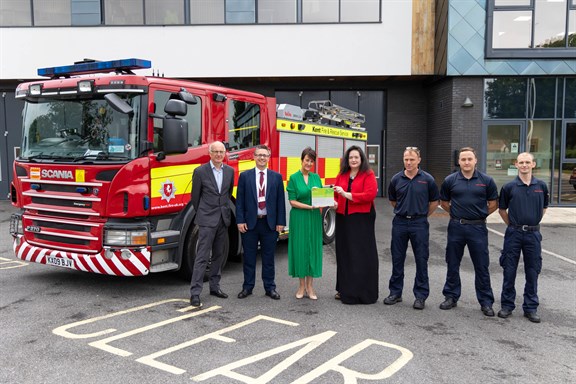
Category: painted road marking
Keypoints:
(11, 263)
(303, 346)
(563, 258)
(63, 330)
(151, 359)
(227, 370)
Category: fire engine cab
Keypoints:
(104, 175)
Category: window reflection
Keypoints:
(550, 23)
(207, 11)
(15, 12)
(164, 12)
(277, 11)
(360, 10)
(53, 12)
(570, 102)
(512, 29)
(240, 12)
(541, 97)
(124, 12)
(320, 11)
(505, 98)
(244, 124)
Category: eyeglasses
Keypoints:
(264, 155)
(218, 152)
(415, 149)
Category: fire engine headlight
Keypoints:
(85, 86)
(125, 237)
(16, 225)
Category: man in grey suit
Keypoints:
(212, 185)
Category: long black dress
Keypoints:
(356, 257)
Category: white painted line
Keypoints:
(103, 343)
(217, 335)
(227, 370)
(63, 330)
(543, 250)
(351, 376)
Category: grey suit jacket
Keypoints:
(210, 204)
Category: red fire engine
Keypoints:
(104, 175)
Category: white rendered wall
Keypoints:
(223, 51)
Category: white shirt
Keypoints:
(265, 170)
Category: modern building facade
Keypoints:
(497, 75)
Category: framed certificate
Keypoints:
(322, 197)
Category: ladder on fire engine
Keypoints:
(341, 116)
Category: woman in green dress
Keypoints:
(305, 243)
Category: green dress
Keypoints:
(305, 240)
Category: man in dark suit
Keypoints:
(212, 185)
(261, 216)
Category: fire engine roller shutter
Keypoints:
(361, 144)
(292, 144)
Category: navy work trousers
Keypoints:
(417, 232)
(475, 236)
(529, 242)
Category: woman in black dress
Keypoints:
(356, 253)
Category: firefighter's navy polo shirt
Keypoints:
(468, 197)
(525, 203)
(412, 196)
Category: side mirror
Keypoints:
(176, 108)
(175, 128)
(175, 135)
(118, 104)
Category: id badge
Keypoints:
(261, 199)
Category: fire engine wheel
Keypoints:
(189, 255)
(329, 225)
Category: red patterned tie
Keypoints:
(261, 192)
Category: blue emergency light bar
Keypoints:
(83, 68)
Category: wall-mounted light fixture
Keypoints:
(467, 103)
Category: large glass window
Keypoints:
(570, 101)
(86, 12)
(124, 12)
(243, 124)
(52, 12)
(360, 10)
(505, 98)
(15, 12)
(531, 28)
(164, 12)
(240, 12)
(277, 11)
(206, 11)
(320, 11)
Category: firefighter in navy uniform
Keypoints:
(523, 202)
(414, 195)
(469, 196)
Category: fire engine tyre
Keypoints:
(328, 225)
(189, 255)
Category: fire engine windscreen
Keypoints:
(81, 129)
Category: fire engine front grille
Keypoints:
(62, 226)
(62, 203)
(63, 240)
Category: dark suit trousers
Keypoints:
(209, 240)
(267, 238)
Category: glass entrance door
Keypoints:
(503, 143)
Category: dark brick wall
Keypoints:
(467, 121)
(452, 126)
(406, 124)
(440, 129)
